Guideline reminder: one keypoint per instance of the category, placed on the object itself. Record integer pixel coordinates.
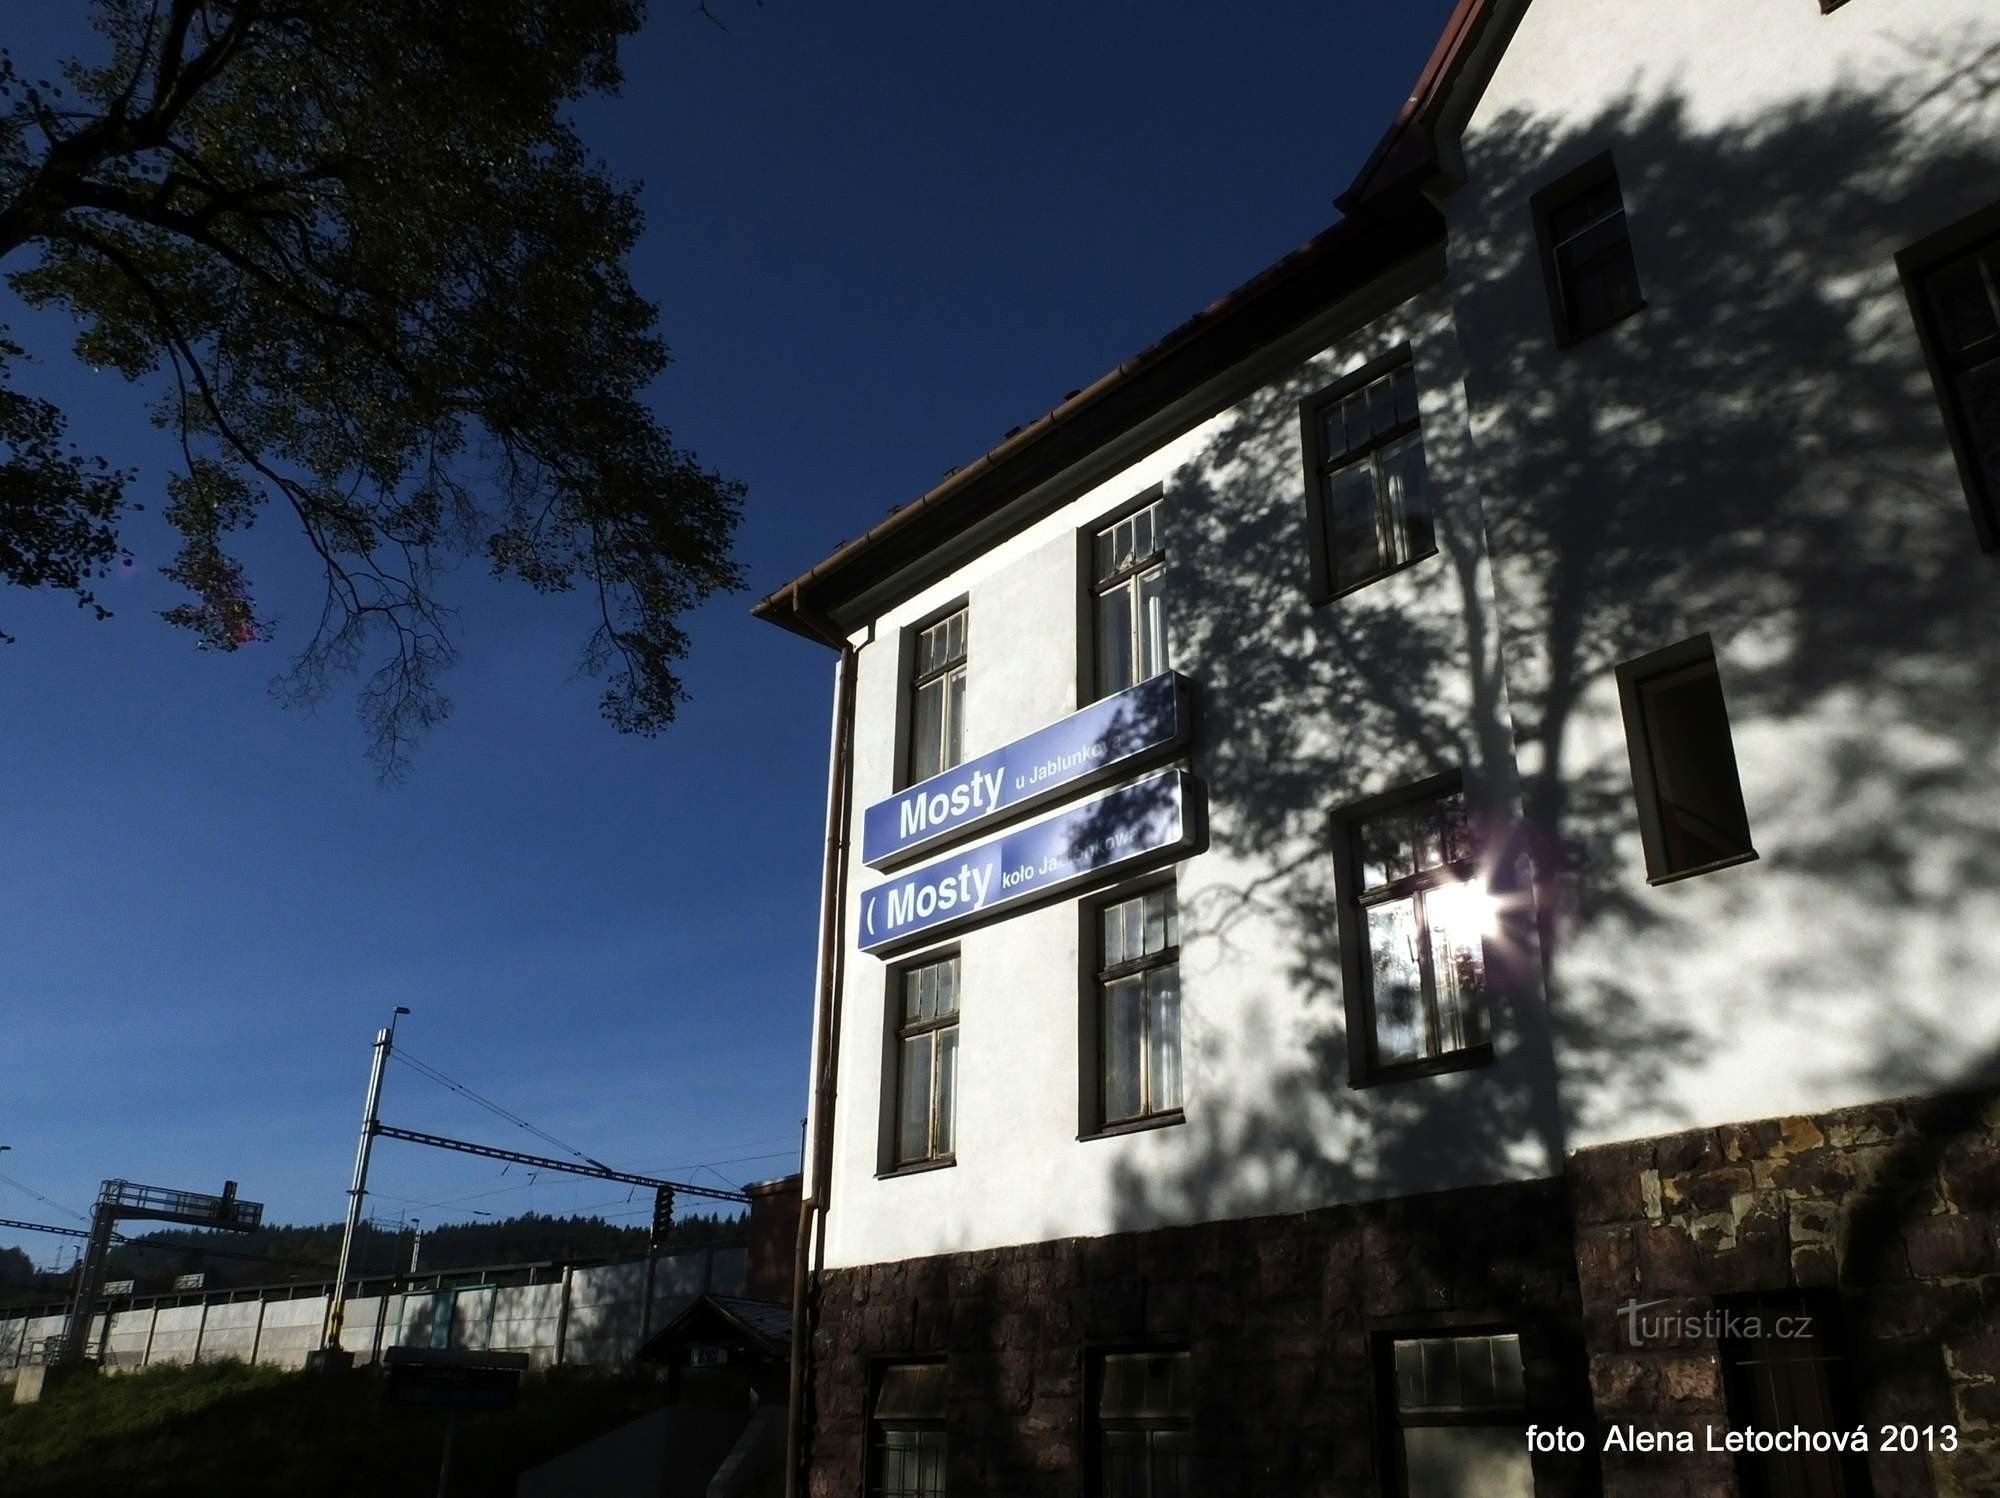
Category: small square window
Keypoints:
(1459, 1406)
(906, 1435)
(1691, 813)
(1415, 915)
(1953, 281)
(1142, 1419)
(1593, 280)
(1369, 510)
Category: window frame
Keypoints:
(1840, 1355)
(896, 1031)
(1914, 264)
(1312, 412)
(1634, 676)
(1550, 200)
(1096, 977)
(1095, 1353)
(1358, 989)
(1390, 1421)
(914, 680)
(1090, 684)
(878, 1370)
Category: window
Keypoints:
(927, 1062)
(1369, 512)
(1587, 252)
(1139, 1007)
(1143, 1403)
(1129, 572)
(906, 1435)
(937, 695)
(1691, 816)
(1415, 941)
(1954, 287)
(1459, 1411)
(1782, 1368)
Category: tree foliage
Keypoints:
(383, 284)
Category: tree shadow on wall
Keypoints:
(1754, 456)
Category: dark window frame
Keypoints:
(1551, 200)
(1312, 412)
(872, 1476)
(1352, 900)
(915, 679)
(1090, 683)
(1915, 264)
(1634, 677)
(1843, 1356)
(1093, 1425)
(1095, 977)
(896, 1031)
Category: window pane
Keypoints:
(1979, 398)
(1122, 1459)
(947, 1091)
(1152, 630)
(1122, 1041)
(1467, 1461)
(1459, 916)
(1404, 495)
(911, 1391)
(1441, 1380)
(913, 1103)
(1171, 1459)
(1114, 640)
(1694, 768)
(955, 637)
(1146, 1385)
(913, 995)
(1354, 413)
(1382, 406)
(1351, 524)
(1103, 556)
(947, 986)
(1113, 917)
(1423, 835)
(1397, 981)
(1406, 394)
(1965, 312)
(927, 732)
(1163, 998)
(1159, 912)
(953, 749)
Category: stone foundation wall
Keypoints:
(1887, 1213)
(1282, 1315)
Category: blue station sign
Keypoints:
(1120, 829)
(1110, 736)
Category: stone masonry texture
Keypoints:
(1285, 1319)
(1882, 1217)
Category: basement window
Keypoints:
(1143, 1424)
(906, 1435)
(1459, 1410)
(1691, 814)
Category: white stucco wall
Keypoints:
(1297, 715)
(1758, 455)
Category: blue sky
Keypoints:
(879, 236)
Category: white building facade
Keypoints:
(1470, 802)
